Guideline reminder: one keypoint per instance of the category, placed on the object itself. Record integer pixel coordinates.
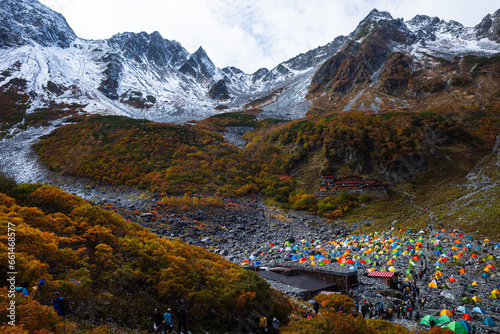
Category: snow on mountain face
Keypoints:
(489, 27)
(27, 21)
(143, 75)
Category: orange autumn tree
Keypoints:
(111, 270)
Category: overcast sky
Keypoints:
(251, 34)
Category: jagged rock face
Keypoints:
(199, 66)
(152, 47)
(219, 91)
(113, 72)
(28, 21)
(489, 27)
(357, 62)
(427, 28)
(388, 63)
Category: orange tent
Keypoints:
(462, 271)
(467, 317)
(451, 279)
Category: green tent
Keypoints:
(426, 320)
(457, 327)
(467, 300)
(444, 319)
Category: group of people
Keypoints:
(266, 327)
(36, 295)
(163, 322)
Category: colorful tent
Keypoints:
(465, 324)
(477, 299)
(445, 311)
(426, 320)
(467, 300)
(444, 319)
(457, 327)
(467, 317)
(478, 310)
(488, 321)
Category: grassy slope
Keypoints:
(449, 193)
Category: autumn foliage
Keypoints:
(112, 271)
(195, 159)
(331, 321)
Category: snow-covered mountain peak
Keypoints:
(376, 15)
(27, 21)
(152, 47)
(489, 27)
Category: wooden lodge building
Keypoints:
(352, 183)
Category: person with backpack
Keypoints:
(23, 289)
(168, 320)
(36, 294)
(157, 321)
(276, 325)
(262, 324)
(316, 306)
(58, 304)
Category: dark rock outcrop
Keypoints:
(219, 91)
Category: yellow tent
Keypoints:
(494, 295)
(474, 283)
(432, 285)
(477, 299)
(438, 273)
(496, 291)
(445, 311)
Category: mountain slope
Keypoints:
(144, 75)
(424, 62)
(27, 21)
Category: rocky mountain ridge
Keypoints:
(144, 75)
(389, 63)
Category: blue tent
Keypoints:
(489, 322)
(465, 324)
(478, 310)
(437, 252)
(485, 275)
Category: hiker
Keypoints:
(157, 321)
(276, 325)
(168, 320)
(35, 294)
(316, 307)
(432, 323)
(182, 319)
(262, 324)
(23, 288)
(57, 302)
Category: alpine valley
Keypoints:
(137, 174)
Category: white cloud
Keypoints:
(250, 34)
